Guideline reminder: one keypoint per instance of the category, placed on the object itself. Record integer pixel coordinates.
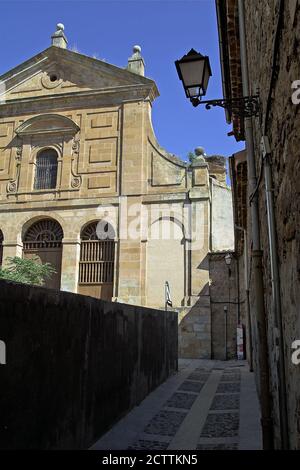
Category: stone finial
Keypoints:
(136, 62)
(199, 152)
(58, 38)
(199, 155)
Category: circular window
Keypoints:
(51, 79)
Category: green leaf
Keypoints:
(27, 271)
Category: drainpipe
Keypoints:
(279, 339)
(246, 264)
(225, 332)
(246, 283)
(256, 254)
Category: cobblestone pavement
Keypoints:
(207, 405)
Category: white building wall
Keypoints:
(222, 237)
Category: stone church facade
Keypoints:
(86, 186)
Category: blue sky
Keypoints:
(165, 29)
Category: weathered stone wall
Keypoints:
(195, 330)
(97, 117)
(243, 306)
(75, 364)
(223, 293)
(222, 233)
(274, 69)
(202, 326)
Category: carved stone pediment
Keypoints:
(64, 73)
(48, 124)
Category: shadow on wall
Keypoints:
(204, 326)
(225, 307)
(195, 328)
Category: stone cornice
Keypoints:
(84, 99)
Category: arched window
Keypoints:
(1, 247)
(43, 239)
(46, 170)
(45, 233)
(100, 230)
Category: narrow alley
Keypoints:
(208, 405)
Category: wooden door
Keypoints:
(43, 240)
(48, 255)
(96, 268)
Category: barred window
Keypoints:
(46, 233)
(96, 264)
(46, 170)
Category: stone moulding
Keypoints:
(76, 182)
(47, 124)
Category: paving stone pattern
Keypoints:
(165, 423)
(228, 388)
(202, 377)
(226, 402)
(233, 446)
(143, 444)
(231, 378)
(220, 428)
(221, 425)
(189, 386)
(181, 400)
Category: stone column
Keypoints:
(195, 320)
(129, 278)
(27, 169)
(70, 265)
(200, 201)
(11, 248)
(65, 173)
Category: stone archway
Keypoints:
(96, 265)
(165, 262)
(43, 239)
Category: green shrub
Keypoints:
(27, 271)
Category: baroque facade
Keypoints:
(259, 47)
(86, 186)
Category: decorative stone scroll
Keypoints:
(12, 186)
(76, 179)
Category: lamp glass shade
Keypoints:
(206, 75)
(193, 92)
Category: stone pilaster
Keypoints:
(70, 265)
(11, 248)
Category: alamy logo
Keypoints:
(2, 353)
(296, 353)
(296, 94)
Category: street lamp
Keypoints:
(194, 71)
(228, 259)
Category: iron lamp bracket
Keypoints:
(244, 107)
